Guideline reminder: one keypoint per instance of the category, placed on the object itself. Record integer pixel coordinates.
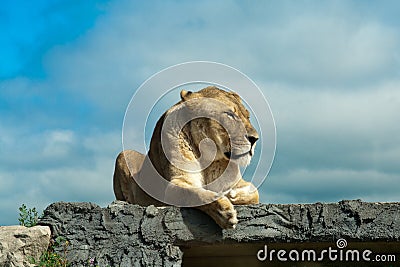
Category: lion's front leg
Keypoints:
(243, 193)
(182, 192)
(222, 211)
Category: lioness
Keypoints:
(217, 116)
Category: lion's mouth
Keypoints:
(230, 156)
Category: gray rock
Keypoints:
(18, 244)
(129, 235)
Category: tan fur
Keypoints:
(220, 209)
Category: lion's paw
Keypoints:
(243, 195)
(228, 219)
(226, 215)
(238, 193)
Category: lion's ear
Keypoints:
(235, 95)
(185, 94)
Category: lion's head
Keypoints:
(220, 116)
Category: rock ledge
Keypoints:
(129, 235)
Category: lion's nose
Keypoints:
(252, 139)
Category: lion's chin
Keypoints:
(241, 159)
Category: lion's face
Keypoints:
(226, 122)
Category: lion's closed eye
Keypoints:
(231, 115)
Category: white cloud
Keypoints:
(338, 128)
(309, 48)
(370, 111)
(58, 143)
(330, 185)
(328, 50)
(82, 171)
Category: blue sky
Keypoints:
(330, 71)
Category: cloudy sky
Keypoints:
(330, 71)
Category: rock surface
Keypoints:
(19, 243)
(129, 235)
